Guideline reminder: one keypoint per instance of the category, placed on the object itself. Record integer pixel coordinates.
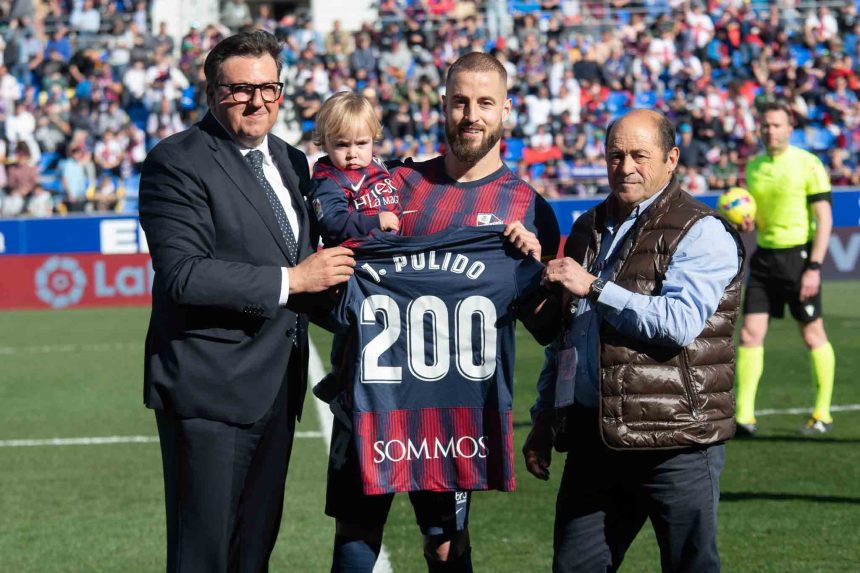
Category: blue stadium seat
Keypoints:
(645, 100)
(188, 99)
(524, 7)
(822, 139)
(798, 138)
(138, 114)
(799, 53)
(52, 184)
(129, 202)
(616, 101)
(816, 113)
(48, 162)
(514, 149)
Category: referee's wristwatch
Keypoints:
(813, 266)
(595, 289)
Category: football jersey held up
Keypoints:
(432, 323)
(432, 201)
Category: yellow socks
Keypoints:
(748, 369)
(823, 362)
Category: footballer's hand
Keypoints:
(388, 221)
(321, 270)
(537, 449)
(522, 239)
(570, 275)
(810, 282)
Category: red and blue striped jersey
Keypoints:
(432, 201)
(346, 203)
(431, 358)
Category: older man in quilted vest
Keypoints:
(638, 384)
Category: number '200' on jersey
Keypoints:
(432, 324)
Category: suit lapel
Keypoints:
(237, 170)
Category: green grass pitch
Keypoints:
(789, 504)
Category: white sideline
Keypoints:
(56, 348)
(776, 412)
(325, 422)
(315, 373)
(102, 440)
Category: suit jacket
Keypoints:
(219, 345)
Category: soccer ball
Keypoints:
(736, 204)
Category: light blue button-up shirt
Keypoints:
(704, 263)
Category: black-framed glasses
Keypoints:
(243, 93)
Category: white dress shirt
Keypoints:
(273, 176)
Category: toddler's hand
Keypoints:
(388, 221)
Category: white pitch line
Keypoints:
(103, 440)
(316, 371)
(325, 421)
(777, 412)
(69, 348)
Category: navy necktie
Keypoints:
(255, 159)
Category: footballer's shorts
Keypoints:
(774, 281)
(437, 513)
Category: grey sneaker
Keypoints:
(815, 426)
(746, 430)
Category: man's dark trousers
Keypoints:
(607, 495)
(225, 502)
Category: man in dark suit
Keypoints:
(226, 353)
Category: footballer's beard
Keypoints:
(467, 151)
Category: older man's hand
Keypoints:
(569, 274)
(537, 449)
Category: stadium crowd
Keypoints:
(88, 86)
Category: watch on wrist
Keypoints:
(595, 289)
(813, 266)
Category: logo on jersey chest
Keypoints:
(485, 219)
(374, 196)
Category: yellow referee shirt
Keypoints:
(781, 187)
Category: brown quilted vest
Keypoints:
(657, 396)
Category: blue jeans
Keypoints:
(606, 496)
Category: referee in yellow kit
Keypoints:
(793, 222)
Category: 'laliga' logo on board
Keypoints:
(60, 282)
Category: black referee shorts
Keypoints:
(774, 281)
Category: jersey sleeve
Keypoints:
(528, 275)
(334, 220)
(818, 180)
(340, 315)
(545, 226)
